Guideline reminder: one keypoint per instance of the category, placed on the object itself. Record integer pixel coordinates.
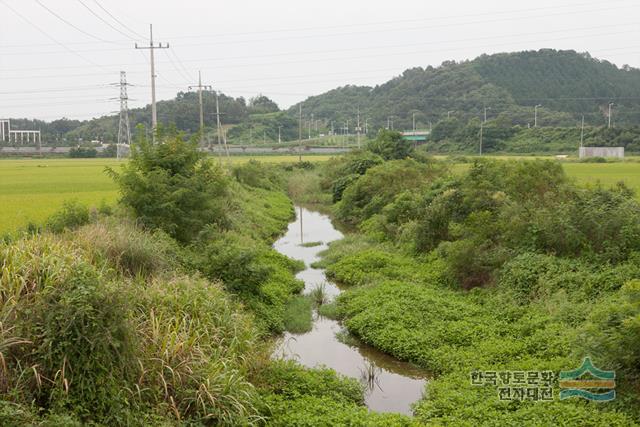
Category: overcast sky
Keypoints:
(285, 49)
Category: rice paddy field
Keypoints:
(31, 190)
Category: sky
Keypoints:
(61, 58)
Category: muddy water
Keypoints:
(394, 385)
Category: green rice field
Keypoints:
(31, 190)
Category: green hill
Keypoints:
(566, 83)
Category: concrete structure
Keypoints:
(617, 152)
(21, 137)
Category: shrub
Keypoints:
(390, 145)
(258, 175)
(372, 192)
(174, 187)
(72, 215)
(612, 333)
(83, 152)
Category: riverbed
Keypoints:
(390, 385)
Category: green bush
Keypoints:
(612, 333)
(390, 145)
(259, 175)
(379, 185)
(72, 215)
(174, 187)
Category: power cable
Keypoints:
(71, 24)
(104, 20)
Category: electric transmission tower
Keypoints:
(124, 131)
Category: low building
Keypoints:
(617, 152)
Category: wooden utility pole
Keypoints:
(201, 88)
(152, 47)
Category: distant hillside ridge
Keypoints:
(566, 84)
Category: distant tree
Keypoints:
(262, 104)
(390, 145)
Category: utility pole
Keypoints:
(535, 115)
(414, 122)
(366, 126)
(124, 132)
(201, 88)
(358, 128)
(610, 112)
(300, 134)
(485, 113)
(279, 134)
(220, 139)
(152, 47)
(309, 123)
(582, 132)
(481, 129)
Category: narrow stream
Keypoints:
(391, 385)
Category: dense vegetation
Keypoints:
(504, 266)
(160, 312)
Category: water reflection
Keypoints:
(391, 385)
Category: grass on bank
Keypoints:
(107, 323)
(469, 272)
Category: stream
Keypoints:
(390, 385)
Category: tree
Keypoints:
(262, 104)
(390, 145)
(174, 187)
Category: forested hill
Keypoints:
(182, 111)
(567, 84)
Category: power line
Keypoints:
(103, 20)
(351, 25)
(72, 25)
(50, 37)
(431, 19)
(175, 67)
(118, 21)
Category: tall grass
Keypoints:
(319, 295)
(83, 332)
